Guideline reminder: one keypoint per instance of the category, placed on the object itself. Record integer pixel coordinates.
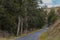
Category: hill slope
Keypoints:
(54, 31)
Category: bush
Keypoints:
(52, 17)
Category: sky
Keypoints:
(51, 3)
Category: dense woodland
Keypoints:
(18, 16)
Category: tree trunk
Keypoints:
(21, 26)
(18, 25)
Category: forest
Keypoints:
(22, 16)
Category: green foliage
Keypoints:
(11, 9)
(52, 17)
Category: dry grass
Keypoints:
(10, 38)
(3, 39)
(56, 38)
(54, 34)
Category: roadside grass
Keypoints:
(15, 37)
(9, 38)
(2, 38)
(43, 36)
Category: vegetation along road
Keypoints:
(33, 36)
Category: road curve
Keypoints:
(33, 36)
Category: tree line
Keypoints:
(18, 16)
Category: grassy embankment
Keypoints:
(55, 31)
